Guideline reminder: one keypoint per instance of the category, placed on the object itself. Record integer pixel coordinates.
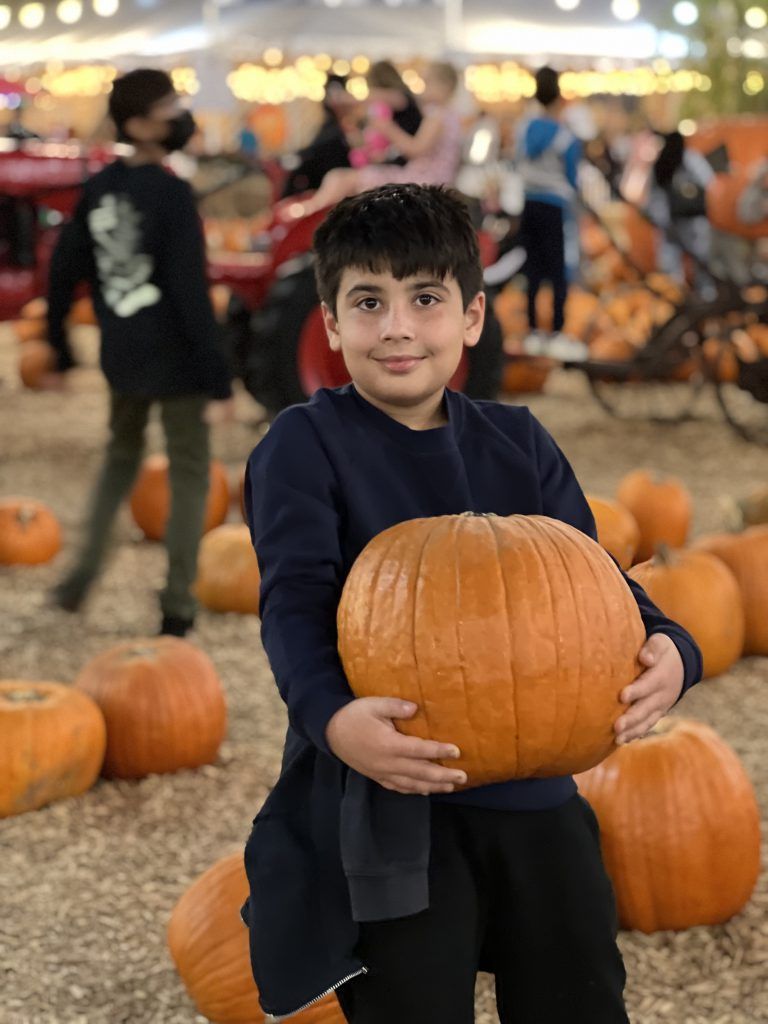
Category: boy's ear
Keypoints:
(331, 327)
(474, 317)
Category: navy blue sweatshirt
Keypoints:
(327, 478)
(136, 237)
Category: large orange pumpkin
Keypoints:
(701, 593)
(52, 740)
(513, 635)
(746, 555)
(36, 359)
(680, 827)
(162, 702)
(617, 529)
(661, 506)
(29, 532)
(209, 945)
(228, 577)
(151, 497)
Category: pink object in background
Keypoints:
(374, 143)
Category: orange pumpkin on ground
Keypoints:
(35, 309)
(526, 375)
(746, 555)
(209, 946)
(700, 592)
(151, 497)
(36, 359)
(661, 506)
(680, 827)
(476, 619)
(52, 740)
(30, 330)
(29, 532)
(617, 530)
(82, 313)
(228, 577)
(163, 705)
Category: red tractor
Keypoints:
(273, 326)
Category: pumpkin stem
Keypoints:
(24, 696)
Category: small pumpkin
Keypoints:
(526, 374)
(163, 705)
(474, 618)
(33, 329)
(36, 359)
(746, 555)
(228, 577)
(700, 592)
(82, 313)
(35, 309)
(52, 740)
(698, 862)
(661, 507)
(151, 497)
(209, 946)
(29, 532)
(617, 529)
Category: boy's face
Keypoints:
(153, 127)
(401, 340)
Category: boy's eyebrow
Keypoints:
(417, 286)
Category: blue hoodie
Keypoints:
(547, 156)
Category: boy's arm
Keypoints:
(564, 499)
(291, 511)
(184, 282)
(71, 263)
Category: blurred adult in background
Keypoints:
(677, 203)
(548, 155)
(389, 98)
(329, 147)
(432, 155)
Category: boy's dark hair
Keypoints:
(402, 229)
(547, 86)
(135, 93)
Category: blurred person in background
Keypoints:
(390, 99)
(329, 147)
(136, 237)
(432, 155)
(677, 203)
(548, 155)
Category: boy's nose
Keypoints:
(397, 324)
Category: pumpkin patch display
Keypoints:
(680, 827)
(29, 532)
(662, 508)
(700, 592)
(52, 740)
(36, 359)
(513, 635)
(163, 704)
(617, 529)
(209, 946)
(746, 555)
(151, 497)
(228, 577)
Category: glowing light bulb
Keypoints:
(69, 11)
(685, 13)
(756, 17)
(5, 16)
(32, 15)
(567, 5)
(106, 8)
(625, 10)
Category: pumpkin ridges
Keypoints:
(514, 725)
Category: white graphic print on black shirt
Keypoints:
(124, 271)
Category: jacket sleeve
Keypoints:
(71, 263)
(186, 286)
(564, 499)
(292, 511)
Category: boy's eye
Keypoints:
(369, 303)
(425, 299)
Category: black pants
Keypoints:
(523, 895)
(543, 236)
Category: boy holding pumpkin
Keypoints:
(370, 873)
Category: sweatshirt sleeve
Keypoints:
(71, 263)
(294, 520)
(564, 499)
(186, 286)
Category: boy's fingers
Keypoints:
(426, 771)
(639, 720)
(643, 686)
(424, 750)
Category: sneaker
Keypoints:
(535, 344)
(173, 625)
(556, 346)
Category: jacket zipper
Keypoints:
(272, 1019)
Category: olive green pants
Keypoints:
(186, 437)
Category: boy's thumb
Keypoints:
(391, 707)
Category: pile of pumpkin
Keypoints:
(234, 234)
(37, 358)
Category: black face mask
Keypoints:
(180, 130)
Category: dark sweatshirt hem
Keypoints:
(383, 897)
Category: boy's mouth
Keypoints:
(400, 364)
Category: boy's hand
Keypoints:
(654, 691)
(363, 735)
(222, 411)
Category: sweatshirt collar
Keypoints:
(422, 442)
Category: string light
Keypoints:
(106, 8)
(5, 16)
(567, 5)
(32, 15)
(685, 13)
(69, 11)
(625, 10)
(756, 17)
